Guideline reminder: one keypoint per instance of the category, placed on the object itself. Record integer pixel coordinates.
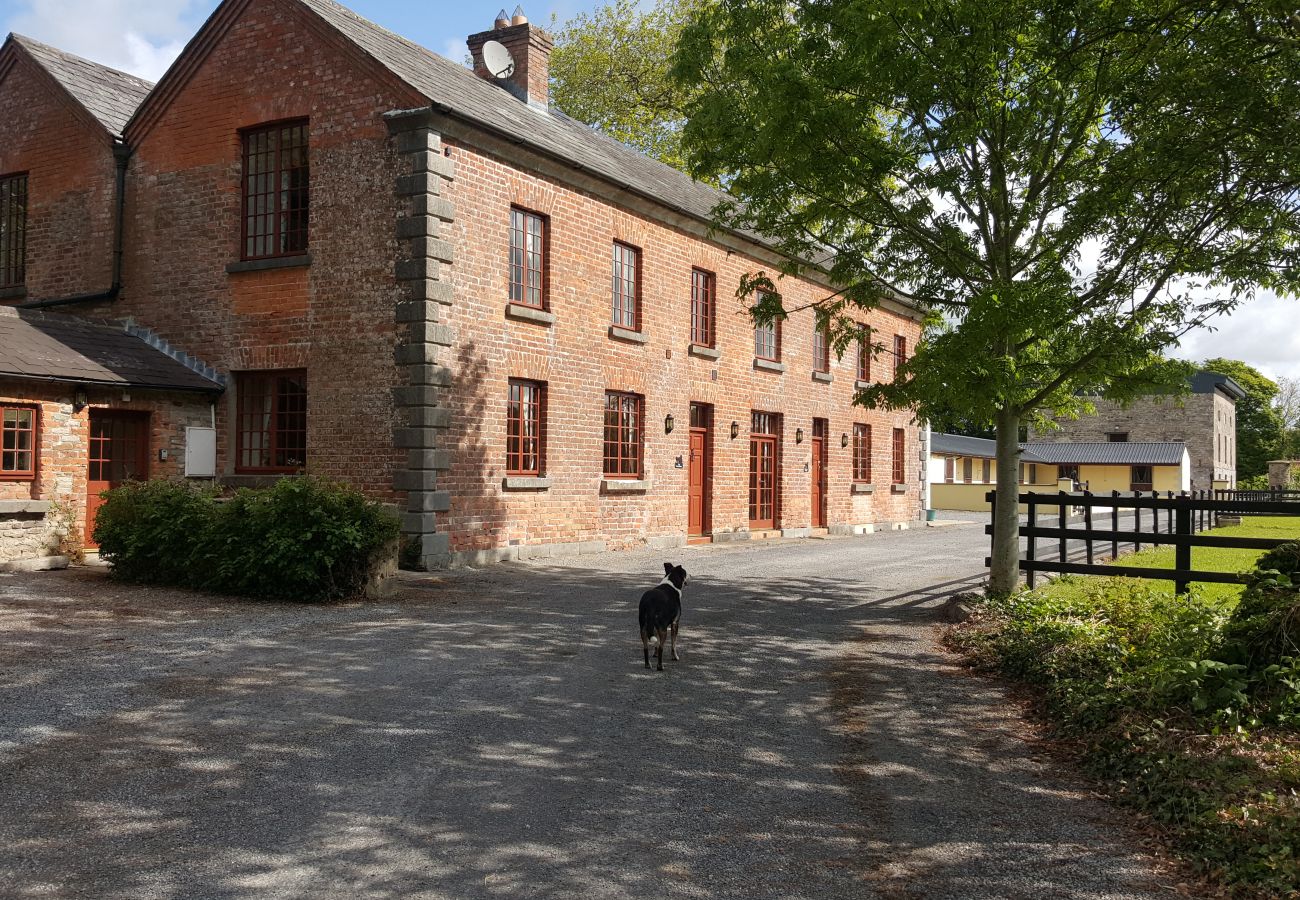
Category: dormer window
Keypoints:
(13, 230)
(276, 191)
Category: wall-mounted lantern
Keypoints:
(79, 399)
(844, 439)
(668, 424)
(735, 430)
(798, 435)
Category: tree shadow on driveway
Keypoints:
(503, 739)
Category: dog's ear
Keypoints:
(668, 568)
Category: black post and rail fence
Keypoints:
(1155, 519)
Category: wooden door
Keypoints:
(699, 514)
(119, 452)
(819, 473)
(762, 482)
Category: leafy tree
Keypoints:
(1067, 186)
(1287, 405)
(610, 69)
(1259, 428)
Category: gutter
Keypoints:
(95, 382)
(121, 154)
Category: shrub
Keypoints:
(1265, 626)
(303, 539)
(149, 530)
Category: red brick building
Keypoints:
(422, 280)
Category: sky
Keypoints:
(144, 36)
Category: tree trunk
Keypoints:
(1004, 574)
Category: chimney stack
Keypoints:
(531, 48)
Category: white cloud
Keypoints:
(1264, 332)
(139, 36)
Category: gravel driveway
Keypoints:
(493, 733)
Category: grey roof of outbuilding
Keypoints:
(960, 445)
(59, 347)
(460, 92)
(112, 97)
(1106, 453)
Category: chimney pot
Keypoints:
(530, 47)
(502, 21)
(519, 18)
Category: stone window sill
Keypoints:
(861, 385)
(769, 365)
(861, 488)
(898, 489)
(624, 485)
(823, 377)
(529, 314)
(275, 262)
(24, 507)
(525, 483)
(704, 352)
(627, 334)
(17, 292)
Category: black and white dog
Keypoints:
(661, 608)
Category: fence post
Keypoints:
(1114, 524)
(1137, 521)
(1031, 550)
(1183, 549)
(1087, 524)
(1169, 519)
(1062, 518)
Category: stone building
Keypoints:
(423, 280)
(1205, 419)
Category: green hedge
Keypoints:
(303, 539)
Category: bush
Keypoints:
(303, 539)
(1265, 626)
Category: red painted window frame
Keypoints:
(704, 308)
(282, 239)
(519, 411)
(773, 328)
(900, 353)
(861, 453)
(13, 230)
(522, 270)
(34, 446)
(625, 286)
(900, 460)
(864, 354)
(268, 382)
(619, 464)
(821, 349)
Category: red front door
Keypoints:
(700, 471)
(819, 474)
(119, 451)
(763, 469)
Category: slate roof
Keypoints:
(54, 347)
(456, 90)
(1105, 453)
(1207, 382)
(960, 445)
(107, 94)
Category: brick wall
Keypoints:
(63, 439)
(579, 361)
(70, 185)
(333, 317)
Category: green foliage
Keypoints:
(610, 69)
(1265, 627)
(303, 539)
(1070, 187)
(1181, 724)
(1259, 426)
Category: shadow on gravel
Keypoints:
(505, 740)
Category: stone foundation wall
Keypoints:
(30, 529)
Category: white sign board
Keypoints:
(200, 452)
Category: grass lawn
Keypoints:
(1213, 559)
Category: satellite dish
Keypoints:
(498, 60)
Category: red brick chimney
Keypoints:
(529, 46)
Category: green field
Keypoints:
(1209, 559)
